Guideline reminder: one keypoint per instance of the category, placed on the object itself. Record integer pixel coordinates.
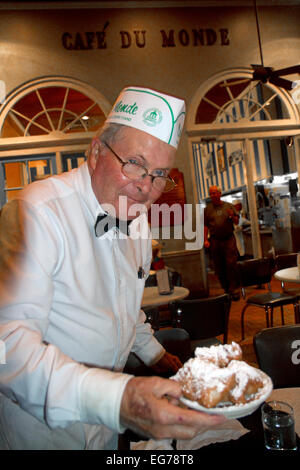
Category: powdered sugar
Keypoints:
(221, 354)
(217, 377)
(204, 374)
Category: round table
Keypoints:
(288, 275)
(152, 298)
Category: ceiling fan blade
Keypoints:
(287, 71)
(281, 82)
(237, 82)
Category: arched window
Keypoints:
(237, 130)
(45, 128)
(226, 110)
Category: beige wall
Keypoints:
(31, 46)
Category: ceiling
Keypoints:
(77, 103)
(92, 4)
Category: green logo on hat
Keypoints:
(179, 130)
(152, 117)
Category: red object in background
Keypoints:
(157, 264)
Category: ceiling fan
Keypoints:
(268, 74)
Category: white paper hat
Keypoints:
(150, 111)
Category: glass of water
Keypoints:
(279, 426)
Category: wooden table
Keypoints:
(288, 275)
(152, 298)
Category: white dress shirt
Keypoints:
(69, 316)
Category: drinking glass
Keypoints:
(279, 426)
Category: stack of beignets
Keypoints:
(217, 376)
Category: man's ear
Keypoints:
(94, 153)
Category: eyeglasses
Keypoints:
(133, 170)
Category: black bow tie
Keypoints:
(106, 222)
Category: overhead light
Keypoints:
(85, 117)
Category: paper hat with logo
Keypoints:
(150, 111)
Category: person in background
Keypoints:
(75, 250)
(219, 220)
(157, 259)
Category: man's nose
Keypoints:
(145, 184)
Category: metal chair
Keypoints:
(259, 272)
(152, 317)
(287, 260)
(278, 354)
(204, 319)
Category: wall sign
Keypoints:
(81, 41)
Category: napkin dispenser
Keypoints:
(164, 281)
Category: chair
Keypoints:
(287, 260)
(258, 271)
(203, 319)
(278, 354)
(152, 316)
(175, 340)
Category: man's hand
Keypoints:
(206, 241)
(168, 363)
(149, 408)
(206, 244)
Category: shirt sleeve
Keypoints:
(39, 376)
(146, 345)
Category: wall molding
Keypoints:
(88, 5)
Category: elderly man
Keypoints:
(74, 254)
(219, 220)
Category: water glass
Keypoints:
(279, 426)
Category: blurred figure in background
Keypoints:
(219, 220)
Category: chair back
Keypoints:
(203, 318)
(278, 353)
(287, 260)
(175, 341)
(255, 271)
(152, 316)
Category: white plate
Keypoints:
(235, 411)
